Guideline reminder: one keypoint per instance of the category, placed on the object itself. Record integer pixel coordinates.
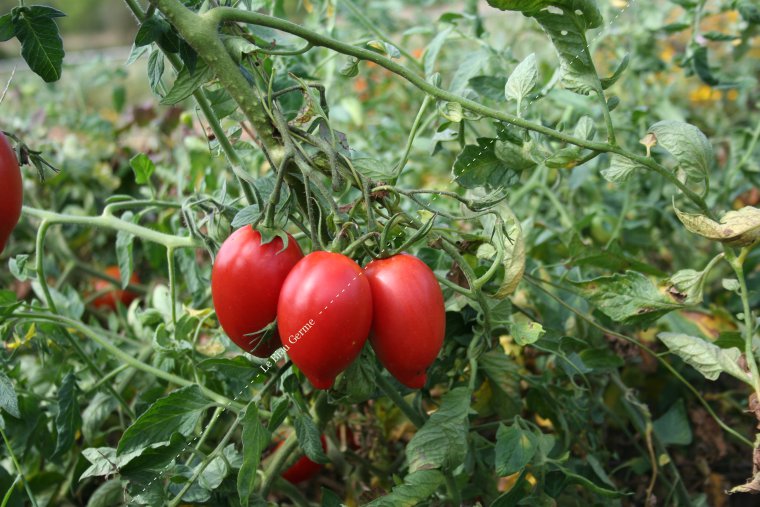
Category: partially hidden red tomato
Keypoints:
(108, 300)
(11, 191)
(245, 285)
(324, 315)
(303, 469)
(409, 317)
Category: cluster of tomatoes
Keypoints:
(326, 307)
(11, 190)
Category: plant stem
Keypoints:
(279, 458)
(222, 14)
(387, 388)
(111, 222)
(412, 135)
(126, 358)
(369, 25)
(18, 467)
(737, 263)
(42, 280)
(200, 98)
(208, 459)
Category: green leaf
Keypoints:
(585, 128)
(151, 31)
(143, 167)
(155, 71)
(515, 448)
(478, 166)
(621, 169)
(8, 397)
(736, 228)
(358, 381)
(433, 48)
(417, 486)
(514, 251)
(517, 158)
(525, 331)
(564, 158)
(707, 358)
(108, 494)
(504, 375)
(383, 48)
(565, 22)
(255, 439)
(178, 412)
(186, 83)
(673, 426)
(309, 438)
(330, 499)
(609, 81)
(490, 87)
(442, 441)
(101, 406)
(701, 65)
(68, 420)
(630, 298)
(522, 80)
(688, 145)
(41, 44)
(7, 30)
(124, 243)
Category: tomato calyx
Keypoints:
(28, 156)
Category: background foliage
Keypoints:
(602, 361)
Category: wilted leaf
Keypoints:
(630, 298)
(707, 358)
(514, 251)
(736, 228)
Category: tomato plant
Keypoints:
(573, 320)
(324, 314)
(409, 320)
(245, 284)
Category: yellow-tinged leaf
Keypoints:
(735, 228)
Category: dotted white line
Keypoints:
(433, 198)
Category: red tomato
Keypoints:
(409, 317)
(324, 315)
(107, 301)
(245, 283)
(303, 469)
(11, 191)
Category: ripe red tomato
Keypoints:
(304, 468)
(11, 191)
(324, 315)
(107, 301)
(409, 317)
(245, 284)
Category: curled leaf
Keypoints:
(736, 228)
